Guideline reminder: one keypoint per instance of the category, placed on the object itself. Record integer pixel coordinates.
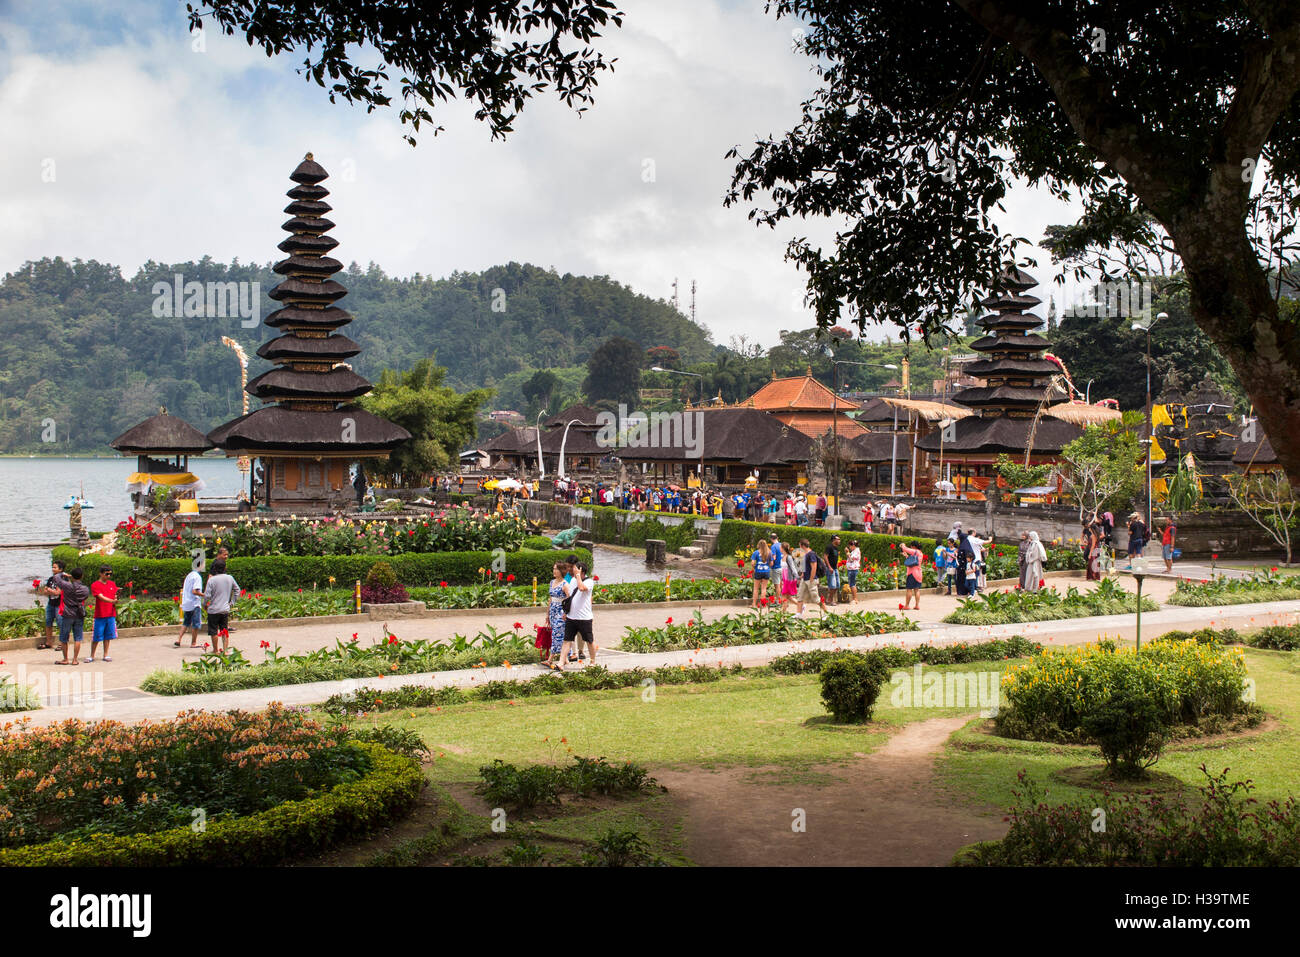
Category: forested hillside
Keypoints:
(84, 348)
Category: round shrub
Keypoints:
(850, 686)
(1130, 730)
(1050, 697)
(381, 574)
(538, 543)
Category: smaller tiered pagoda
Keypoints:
(308, 430)
(1017, 391)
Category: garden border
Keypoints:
(271, 837)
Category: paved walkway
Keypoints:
(136, 657)
(96, 699)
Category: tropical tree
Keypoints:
(494, 53)
(1270, 501)
(1103, 466)
(1170, 122)
(614, 372)
(440, 420)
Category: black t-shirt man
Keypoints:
(832, 558)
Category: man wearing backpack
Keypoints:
(1137, 537)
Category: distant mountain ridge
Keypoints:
(86, 353)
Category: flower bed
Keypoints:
(998, 649)
(352, 809)
(369, 699)
(76, 779)
(760, 629)
(450, 530)
(347, 659)
(1013, 605)
(1191, 683)
(1266, 586)
(16, 697)
(1228, 829)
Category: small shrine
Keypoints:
(1211, 440)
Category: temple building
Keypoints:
(1014, 405)
(571, 432)
(803, 403)
(308, 429)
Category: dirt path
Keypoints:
(881, 810)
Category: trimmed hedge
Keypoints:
(266, 572)
(269, 837)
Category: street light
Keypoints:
(1145, 326)
(699, 376)
(1087, 392)
(835, 414)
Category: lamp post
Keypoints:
(1087, 393)
(835, 415)
(699, 376)
(1144, 325)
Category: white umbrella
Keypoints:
(509, 483)
(945, 485)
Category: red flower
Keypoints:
(670, 620)
(900, 606)
(392, 639)
(596, 578)
(518, 625)
(205, 646)
(1215, 556)
(144, 591)
(442, 584)
(892, 545)
(176, 598)
(354, 636)
(1042, 583)
(740, 563)
(300, 591)
(510, 578)
(264, 644)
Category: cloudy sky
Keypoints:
(126, 144)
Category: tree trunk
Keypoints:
(1233, 305)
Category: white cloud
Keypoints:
(162, 153)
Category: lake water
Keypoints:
(34, 490)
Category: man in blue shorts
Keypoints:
(191, 608)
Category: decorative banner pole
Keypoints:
(356, 596)
(534, 589)
(668, 586)
(243, 461)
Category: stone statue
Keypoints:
(566, 538)
(77, 531)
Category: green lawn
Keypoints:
(774, 723)
(978, 767)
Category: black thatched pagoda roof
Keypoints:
(333, 347)
(991, 436)
(306, 432)
(308, 379)
(162, 434)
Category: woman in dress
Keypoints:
(555, 613)
(913, 561)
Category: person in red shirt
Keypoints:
(1168, 538)
(105, 593)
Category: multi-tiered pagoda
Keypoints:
(308, 430)
(1017, 388)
